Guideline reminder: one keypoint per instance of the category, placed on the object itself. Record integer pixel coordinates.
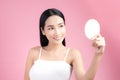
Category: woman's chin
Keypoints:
(58, 41)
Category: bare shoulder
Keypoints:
(36, 48)
(34, 52)
(74, 52)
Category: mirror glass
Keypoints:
(92, 27)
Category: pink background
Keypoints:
(19, 32)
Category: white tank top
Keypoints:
(50, 70)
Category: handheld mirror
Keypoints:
(92, 27)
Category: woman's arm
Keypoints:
(29, 63)
(81, 74)
(99, 44)
(90, 73)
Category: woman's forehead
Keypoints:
(54, 20)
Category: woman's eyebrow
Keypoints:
(60, 23)
(50, 26)
(53, 25)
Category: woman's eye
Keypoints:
(50, 28)
(61, 25)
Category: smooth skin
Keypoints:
(55, 32)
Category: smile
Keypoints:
(57, 38)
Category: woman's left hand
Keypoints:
(99, 43)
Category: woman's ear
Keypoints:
(42, 31)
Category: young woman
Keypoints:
(53, 60)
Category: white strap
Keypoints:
(40, 52)
(66, 54)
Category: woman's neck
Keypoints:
(54, 47)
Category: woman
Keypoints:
(53, 60)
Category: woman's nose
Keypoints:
(57, 31)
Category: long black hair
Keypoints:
(44, 16)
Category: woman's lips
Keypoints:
(57, 38)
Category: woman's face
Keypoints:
(54, 29)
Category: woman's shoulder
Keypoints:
(35, 48)
(34, 51)
(75, 52)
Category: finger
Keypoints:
(100, 42)
(96, 36)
